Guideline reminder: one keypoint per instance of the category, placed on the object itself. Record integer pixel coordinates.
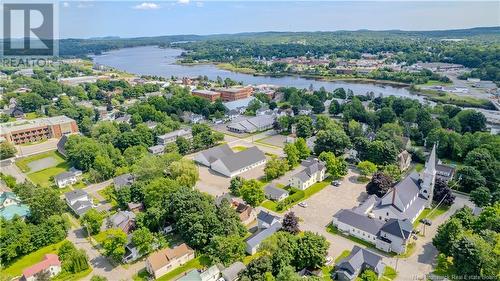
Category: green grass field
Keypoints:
(16, 268)
(426, 213)
(43, 177)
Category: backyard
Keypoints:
(41, 168)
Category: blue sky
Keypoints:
(84, 19)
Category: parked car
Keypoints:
(426, 222)
(303, 204)
(336, 183)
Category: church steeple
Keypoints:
(429, 176)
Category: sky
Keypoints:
(86, 19)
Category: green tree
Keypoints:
(334, 108)
(184, 171)
(304, 127)
(311, 251)
(98, 278)
(226, 249)
(143, 239)
(235, 185)
(369, 275)
(114, 243)
(355, 129)
(470, 179)
(367, 168)
(447, 235)
(292, 154)
(7, 150)
(252, 192)
(134, 153)
(469, 255)
(334, 140)
(481, 196)
(92, 220)
(230, 222)
(335, 166)
(257, 270)
(183, 145)
(275, 168)
(302, 148)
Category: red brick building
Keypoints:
(26, 131)
(232, 94)
(206, 94)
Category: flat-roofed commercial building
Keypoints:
(236, 93)
(206, 94)
(26, 131)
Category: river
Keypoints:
(151, 60)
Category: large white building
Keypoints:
(314, 172)
(224, 160)
(387, 222)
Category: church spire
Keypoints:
(429, 177)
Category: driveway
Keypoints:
(27, 150)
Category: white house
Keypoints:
(314, 172)
(172, 136)
(67, 178)
(79, 201)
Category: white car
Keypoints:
(303, 204)
(328, 260)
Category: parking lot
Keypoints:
(215, 184)
(324, 204)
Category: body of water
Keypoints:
(151, 60)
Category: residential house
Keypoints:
(275, 193)
(151, 124)
(231, 273)
(210, 274)
(165, 260)
(444, 172)
(131, 252)
(50, 264)
(125, 119)
(245, 212)
(253, 124)
(78, 201)
(192, 118)
(358, 261)
(156, 149)
(67, 178)
(172, 136)
(135, 207)
(267, 226)
(123, 180)
(11, 206)
(124, 220)
(313, 172)
(265, 219)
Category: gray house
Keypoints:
(123, 180)
(268, 224)
(172, 136)
(275, 193)
(358, 261)
(231, 273)
(78, 201)
(156, 149)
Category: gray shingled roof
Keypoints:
(231, 273)
(123, 180)
(64, 176)
(398, 228)
(60, 145)
(242, 159)
(358, 221)
(267, 217)
(217, 152)
(75, 194)
(263, 234)
(312, 167)
(402, 194)
(359, 259)
(272, 191)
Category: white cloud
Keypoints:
(183, 1)
(65, 4)
(147, 6)
(84, 4)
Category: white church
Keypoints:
(387, 221)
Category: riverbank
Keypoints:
(449, 98)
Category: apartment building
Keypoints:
(206, 94)
(236, 93)
(26, 131)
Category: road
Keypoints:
(100, 264)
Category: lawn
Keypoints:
(44, 177)
(198, 263)
(426, 213)
(410, 249)
(313, 189)
(109, 194)
(32, 115)
(342, 255)
(239, 148)
(389, 273)
(66, 276)
(23, 162)
(16, 268)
